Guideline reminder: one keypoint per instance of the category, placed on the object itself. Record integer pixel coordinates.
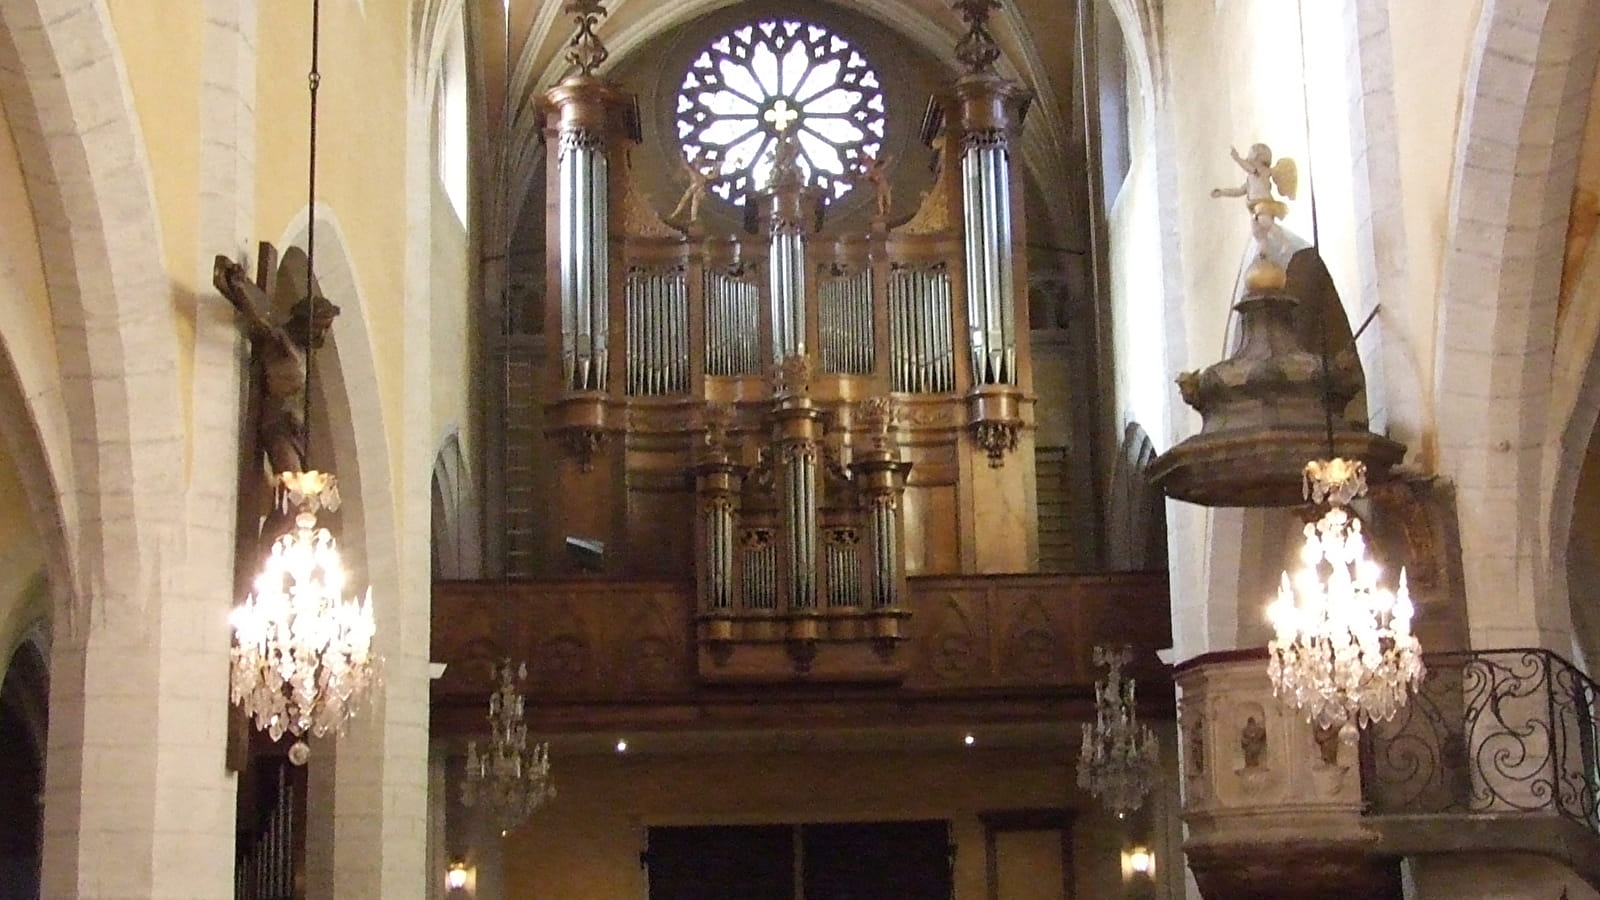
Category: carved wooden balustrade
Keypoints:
(623, 654)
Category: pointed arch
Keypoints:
(1526, 98)
(453, 547)
(1136, 515)
(67, 99)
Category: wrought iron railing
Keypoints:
(1499, 731)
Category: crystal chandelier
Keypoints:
(1118, 759)
(302, 650)
(1344, 652)
(509, 779)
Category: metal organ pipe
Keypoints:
(800, 533)
(788, 294)
(991, 306)
(585, 269)
(719, 553)
(731, 317)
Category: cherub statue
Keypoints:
(278, 357)
(1261, 175)
(874, 170)
(703, 175)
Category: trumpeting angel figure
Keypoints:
(1261, 176)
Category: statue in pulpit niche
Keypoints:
(703, 176)
(277, 352)
(1261, 176)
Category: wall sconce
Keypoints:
(1139, 860)
(456, 877)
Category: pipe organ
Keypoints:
(802, 419)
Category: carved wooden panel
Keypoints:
(627, 654)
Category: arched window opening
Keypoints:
(451, 125)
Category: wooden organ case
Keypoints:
(800, 418)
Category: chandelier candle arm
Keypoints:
(1343, 652)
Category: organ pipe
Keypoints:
(787, 286)
(987, 240)
(920, 340)
(732, 317)
(582, 200)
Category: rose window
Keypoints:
(762, 80)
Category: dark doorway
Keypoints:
(721, 863)
(828, 861)
(875, 860)
(23, 710)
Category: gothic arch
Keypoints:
(1527, 93)
(1136, 537)
(71, 113)
(1043, 145)
(387, 738)
(1576, 410)
(451, 490)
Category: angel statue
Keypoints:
(703, 175)
(1261, 175)
(873, 170)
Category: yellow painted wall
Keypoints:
(586, 843)
(160, 45)
(26, 324)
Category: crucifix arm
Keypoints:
(231, 281)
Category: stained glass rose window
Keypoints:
(763, 79)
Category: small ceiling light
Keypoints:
(622, 746)
(1140, 860)
(969, 740)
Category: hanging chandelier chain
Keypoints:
(313, 81)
